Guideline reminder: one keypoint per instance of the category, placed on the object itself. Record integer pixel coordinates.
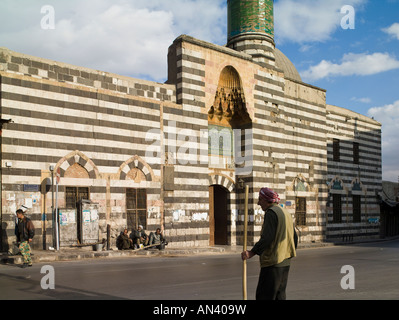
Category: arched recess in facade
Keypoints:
(357, 185)
(136, 176)
(229, 107)
(359, 195)
(227, 114)
(220, 210)
(136, 169)
(80, 161)
(300, 184)
(338, 200)
(228, 121)
(337, 186)
(305, 197)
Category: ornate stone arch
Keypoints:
(78, 158)
(337, 184)
(135, 163)
(222, 180)
(300, 184)
(357, 185)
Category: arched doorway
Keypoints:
(218, 215)
(230, 151)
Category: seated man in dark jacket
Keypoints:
(123, 242)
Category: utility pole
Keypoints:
(2, 122)
(52, 202)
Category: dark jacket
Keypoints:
(25, 230)
(122, 242)
(269, 234)
(138, 234)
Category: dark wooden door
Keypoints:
(218, 197)
(211, 218)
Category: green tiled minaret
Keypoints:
(250, 16)
(251, 29)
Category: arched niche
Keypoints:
(229, 106)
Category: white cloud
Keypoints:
(362, 100)
(352, 64)
(393, 30)
(389, 117)
(305, 21)
(125, 37)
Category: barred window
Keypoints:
(357, 208)
(337, 208)
(336, 151)
(136, 207)
(356, 155)
(74, 194)
(300, 211)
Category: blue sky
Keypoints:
(353, 90)
(359, 68)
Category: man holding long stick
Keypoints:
(276, 248)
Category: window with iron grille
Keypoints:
(356, 156)
(337, 208)
(300, 211)
(136, 207)
(336, 151)
(357, 208)
(74, 194)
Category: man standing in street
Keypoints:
(25, 232)
(276, 247)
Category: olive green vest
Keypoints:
(283, 246)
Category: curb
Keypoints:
(40, 256)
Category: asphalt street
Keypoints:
(315, 275)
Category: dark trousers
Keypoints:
(272, 283)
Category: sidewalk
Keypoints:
(73, 254)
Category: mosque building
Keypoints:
(178, 155)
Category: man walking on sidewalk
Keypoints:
(25, 231)
(276, 247)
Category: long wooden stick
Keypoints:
(143, 248)
(244, 271)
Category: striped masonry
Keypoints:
(111, 133)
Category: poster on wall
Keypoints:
(93, 215)
(86, 216)
(63, 218)
(67, 217)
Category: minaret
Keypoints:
(251, 28)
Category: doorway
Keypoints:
(218, 213)
(73, 200)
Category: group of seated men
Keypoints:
(139, 239)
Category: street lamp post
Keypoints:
(52, 202)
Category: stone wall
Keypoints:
(111, 134)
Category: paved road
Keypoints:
(315, 275)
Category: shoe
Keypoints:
(25, 265)
(30, 265)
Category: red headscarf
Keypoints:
(269, 195)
